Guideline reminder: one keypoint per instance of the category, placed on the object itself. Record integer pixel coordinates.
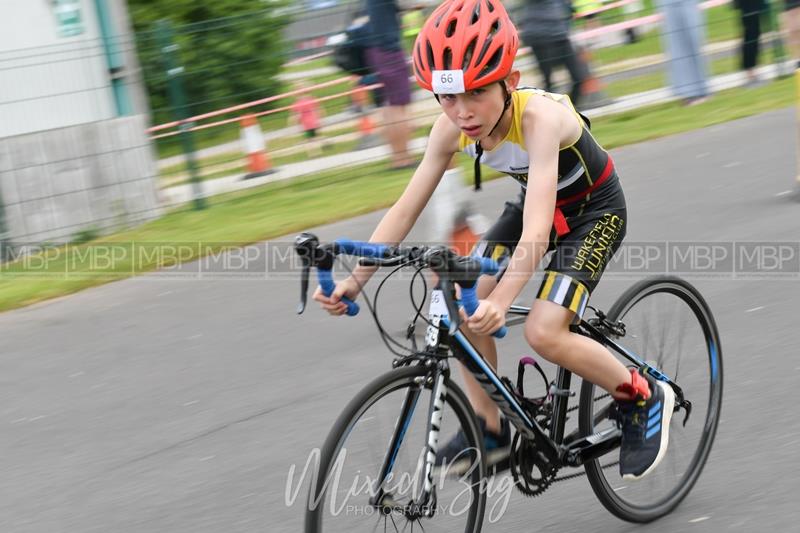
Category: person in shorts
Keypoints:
(386, 58)
(570, 202)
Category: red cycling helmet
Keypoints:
(475, 37)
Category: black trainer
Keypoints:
(645, 430)
(455, 456)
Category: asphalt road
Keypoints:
(178, 401)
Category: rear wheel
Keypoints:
(669, 325)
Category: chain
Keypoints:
(545, 483)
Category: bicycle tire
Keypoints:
(382, 386)
(613, 499)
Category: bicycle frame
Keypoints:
(571, 450)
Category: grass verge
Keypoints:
(244, 217)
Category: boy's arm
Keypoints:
(398, 221)
(542, 130)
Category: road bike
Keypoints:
(377, 469)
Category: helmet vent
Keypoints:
(491, 66)
(476, 13)
(469, 52)
(451, 28)
(486, 44)
(447, 58)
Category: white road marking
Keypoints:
(784, 193)
(701, 519)
(759, 308)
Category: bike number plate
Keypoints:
(436, 311)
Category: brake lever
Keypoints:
(303, 290)
(305, 245)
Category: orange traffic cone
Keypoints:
(258, 162)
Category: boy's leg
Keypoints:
(547, 331)
(644, 406)
(497, 243)
(484, 406)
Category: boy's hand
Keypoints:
(333, 304)
(488, 318)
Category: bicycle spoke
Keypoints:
(679, 350)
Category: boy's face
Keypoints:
(476, 112)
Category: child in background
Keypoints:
(306, 111)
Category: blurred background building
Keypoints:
(74, 153)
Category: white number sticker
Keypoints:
(438, 305)
(448, 81)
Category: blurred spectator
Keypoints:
(683, 35)
(306, 111)
(586, 10)
(545, 27)
(750, 12)
(386, 58)
(631, 10)
(412, 22)
(791, 25)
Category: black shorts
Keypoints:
(311, 133)
(597, 227)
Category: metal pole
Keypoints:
(5, 245)
(114, 59)
(177, 99)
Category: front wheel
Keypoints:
(669, 325)
(386, 424)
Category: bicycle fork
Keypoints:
(425, 504)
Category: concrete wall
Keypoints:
(59, 182)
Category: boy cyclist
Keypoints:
(570, 202)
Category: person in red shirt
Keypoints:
(307, 112)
